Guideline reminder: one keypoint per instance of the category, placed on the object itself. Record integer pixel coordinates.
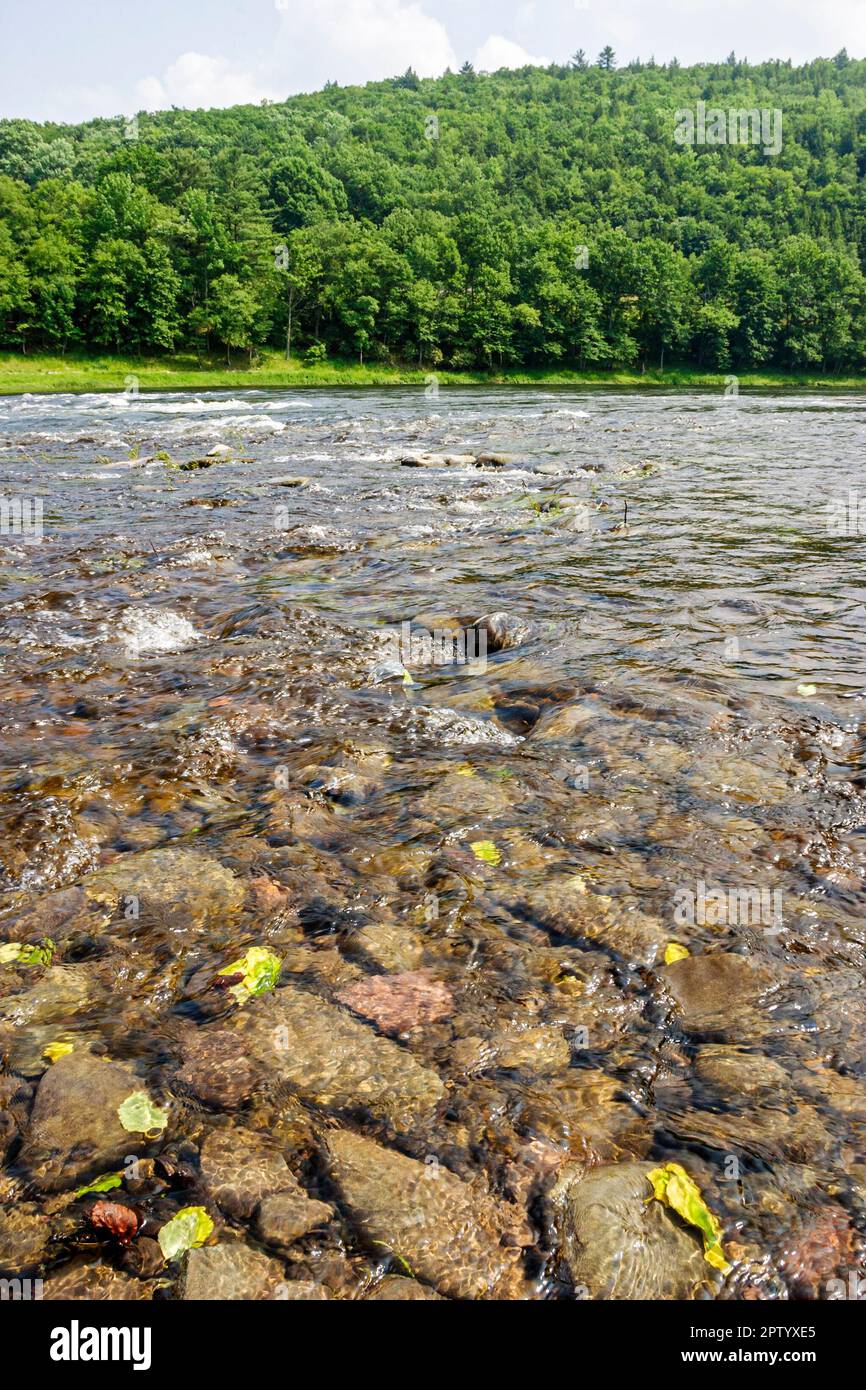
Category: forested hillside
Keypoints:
(540, 217)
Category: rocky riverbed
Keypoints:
(334, 969)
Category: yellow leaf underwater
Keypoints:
(673, 1187)
(139, 1115)
(674, 951)
(486, 851)
(54, 1051)
(260, 970)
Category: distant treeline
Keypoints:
(540, 217)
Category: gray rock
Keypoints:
(74, 1131)
(286, 1216)
(619, 1246)
(240, 1167)
(330, 1058)
(449, 1235)
(230, 1272)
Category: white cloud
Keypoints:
(197, 79)
(355, 41)
(497, 52)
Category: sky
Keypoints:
(70, 60)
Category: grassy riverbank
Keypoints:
(20, 373)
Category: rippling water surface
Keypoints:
(664, 745)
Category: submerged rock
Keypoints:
(188, 889)
(395, 1288)
(398, 1003)
(230, 1272)
(449, 1235)
(24, 1237)
(88, 1280)
(75, 1131)
(61, 993)
(330, 1058)
(617, 1245)
(719, 994)
(288, 1215)
(240, 1167)
(217, 1070)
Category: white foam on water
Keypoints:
(146, 631)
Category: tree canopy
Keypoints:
(545, 216)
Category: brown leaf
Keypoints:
(114, 1217)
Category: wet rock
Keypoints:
(24, 1237)
(233, 1272)
(720, 994)
(87, 1280)
(288, 1215)
(15, 1096)
(60, 993)
(330, 1058)
(398, 1003)
(819, 1251)
(500, 630)
(568, 906)
(393, 946)
(734, 1074)
(539, 1050)
(144, 1259)
(74, 1131)
(397, 1289)
(450, 1235)
(186, 888)
(240, 1167)
(794, 1132)
(302, 1291)
(619, 1246)
(217, 1070)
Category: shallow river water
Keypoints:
(585, 904)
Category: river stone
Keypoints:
(74, 1132)
(217, 1070)
(619, 1246)
(398, 1003)
(330, 1058)
(15, 1097)
(61, 993)
(240, 1167)
(230, 1272)
(719, 994)
(86, 1280)
(187, 888)
(618, 925)
(540, 1050)
(24, 1237)
(395, 1288)
(449, 1234)
(392, 945)
(287, 1215)
(735, 1074)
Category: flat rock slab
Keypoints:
(619, 1246)
(332, 1059)
(187, 888)
(720, 995)
(75, 1132)
(233, 1272)
(448, 1233)
(397, 1003)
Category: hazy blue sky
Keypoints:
(71, 59)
